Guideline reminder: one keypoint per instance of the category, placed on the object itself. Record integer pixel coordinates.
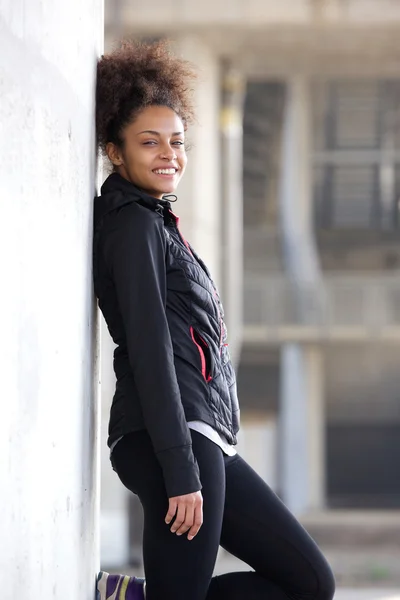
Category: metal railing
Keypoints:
(344, 307)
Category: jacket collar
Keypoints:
(117, 191)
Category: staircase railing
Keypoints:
(347, 307)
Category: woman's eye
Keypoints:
(154, 143)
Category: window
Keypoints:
(357, 154)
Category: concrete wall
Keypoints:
(114, 515)
(48, 323)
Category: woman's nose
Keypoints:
(168, 154)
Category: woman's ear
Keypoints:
(114, 154)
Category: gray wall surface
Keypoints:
(48, 323)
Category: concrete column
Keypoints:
(232, 205)
(302, 428)
(296, 205)
(199, 193)
(301, 406)
(114, 515)
(48, 342)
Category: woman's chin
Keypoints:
(168, 189)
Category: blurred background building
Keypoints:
(292, 197)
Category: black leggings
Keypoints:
(241, 513)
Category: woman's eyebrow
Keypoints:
(158, 133)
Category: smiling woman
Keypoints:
(144, 105)
(175, 413)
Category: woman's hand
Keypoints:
(189, 514)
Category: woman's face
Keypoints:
(153, 156)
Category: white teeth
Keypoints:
(165, 171)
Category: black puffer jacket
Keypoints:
(162, 309)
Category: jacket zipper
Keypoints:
(220, 318)
(215, 291)
(180, 233)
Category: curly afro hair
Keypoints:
(135, 76)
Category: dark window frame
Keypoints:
(384, 158)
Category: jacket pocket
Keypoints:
(204, 352)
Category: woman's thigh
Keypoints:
(175, 568)
(260, 530)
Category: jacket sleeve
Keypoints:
(135, 255)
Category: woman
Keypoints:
(175, 415)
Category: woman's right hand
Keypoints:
(188, 513)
